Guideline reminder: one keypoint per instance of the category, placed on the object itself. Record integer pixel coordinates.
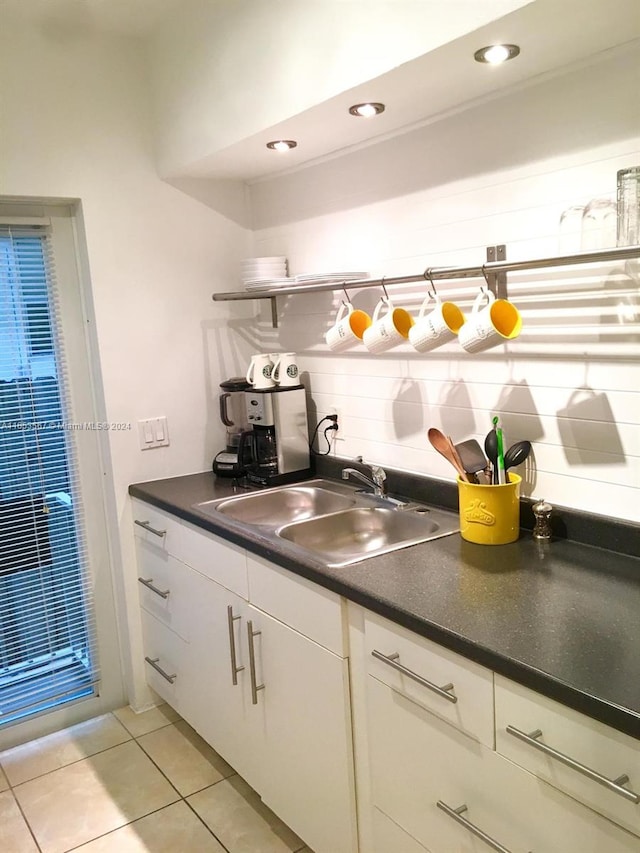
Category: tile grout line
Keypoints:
(183, 798)
(135, 739)
(27, 824)
(69, 764)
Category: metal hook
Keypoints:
(346, 295)
(429, 276)
(486, 278)
(384, 289)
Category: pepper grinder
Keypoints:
(542, 528)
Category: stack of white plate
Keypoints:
(325, 277)
(263, 269)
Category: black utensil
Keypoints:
(471, 456)
(517, 454)
(491, 449)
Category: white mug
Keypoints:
(438, 327)
(348, 328)
(387, 331)
(260, 370)
(285, 370)
(496, 323)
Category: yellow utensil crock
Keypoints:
(490, 515)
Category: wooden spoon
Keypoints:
(444, 446)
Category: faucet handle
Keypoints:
(379, 475)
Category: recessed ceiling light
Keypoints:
(494, 54)
(282, 144)
(367, 110)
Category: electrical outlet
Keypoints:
(335, 434)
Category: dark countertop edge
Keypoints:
(622, 719)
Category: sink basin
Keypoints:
(359, 533)
(276, 507)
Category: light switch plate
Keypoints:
(154, 432)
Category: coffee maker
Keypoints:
(278, 440)
(233, 414)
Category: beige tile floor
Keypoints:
(131, 783)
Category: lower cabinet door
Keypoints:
(167, 664)
(388, 837)
(221, 710)
(302, 715)
(454, 794)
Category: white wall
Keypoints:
(502, 172)
(75, 124)
(223, 71)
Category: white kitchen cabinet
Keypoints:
(425, 771)
(302, 714)
(222, 710)
(456, 689)
(594, 750)
(165, 588)
(390, 838)
(169, 664)
(265, 681)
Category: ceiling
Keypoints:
(438, 83)
(125, 17)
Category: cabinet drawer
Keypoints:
(315, 612)
(388, 837)
(418, 761)
(169, 653)
(471, 685)
(165, 588)
(159, 529)
(216, 559)
(591, 744)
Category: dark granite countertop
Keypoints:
(562, 618)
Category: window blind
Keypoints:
(48, 651)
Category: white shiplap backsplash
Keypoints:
(570, 383)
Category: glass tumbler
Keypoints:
(629, 207)
(599, 225)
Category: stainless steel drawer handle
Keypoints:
(154, 663)
(392, 660)
(147, 526)
(235, 669)
(615, 785)
(456, 814)
(148, 582)
(252, 663)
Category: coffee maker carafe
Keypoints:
(279, 435)
(233, 414)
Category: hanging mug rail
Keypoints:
(494, 271)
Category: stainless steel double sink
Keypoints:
(333, 521)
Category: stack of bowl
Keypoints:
(263, 269)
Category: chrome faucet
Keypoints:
(377, 480)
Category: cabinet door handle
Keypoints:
(147, 526)
(154, 663)
(252, 663)
(235, 669)
(615, 785)
(456, 814)
(392, 661)
(148, 582)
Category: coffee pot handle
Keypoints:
(246, 447)
(224, 415)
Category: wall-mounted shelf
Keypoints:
(494, 271)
